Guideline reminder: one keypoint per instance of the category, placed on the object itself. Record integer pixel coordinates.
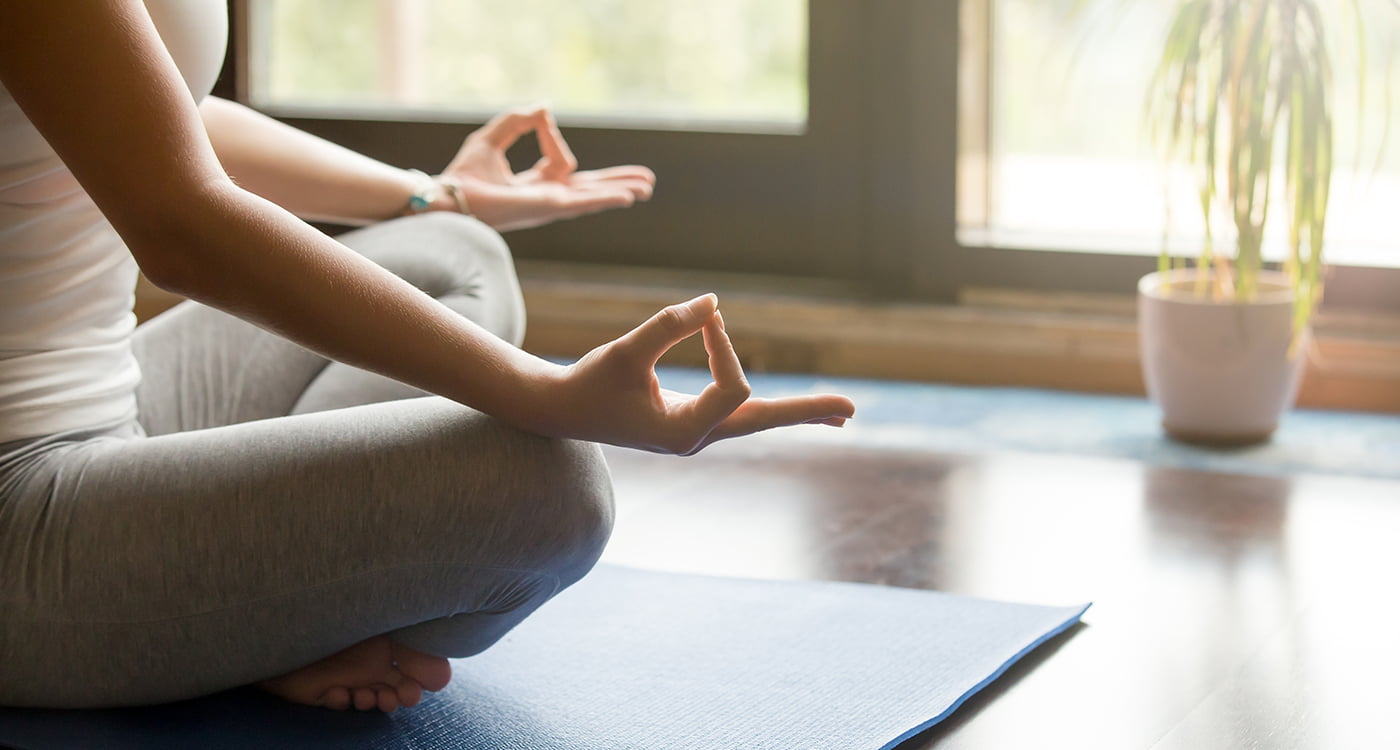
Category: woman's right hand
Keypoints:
(612, 394)
(552, 189)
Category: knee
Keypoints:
(498, 496)
(545, 504)
(470, 228)
(580, 506)
(478, 260)
(456, 230)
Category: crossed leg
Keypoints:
(334, 557)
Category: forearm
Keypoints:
(309, 176)
(261, 264)
(97, 81)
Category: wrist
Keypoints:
(435, 193)
(453, 195)
(536, 403)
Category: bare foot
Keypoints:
(376, 673)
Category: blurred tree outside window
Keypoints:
(1069, 164)
(672, 63)
(1061, 159)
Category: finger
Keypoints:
(730, 388)
(639, 186)
(574, 205)
(579, 202)
(506, 208)
(557, 161)
(668, 327)
(625, 172)
(758, 414)
(640, 189)
(725, 367)
(506, 128)
(528, 176)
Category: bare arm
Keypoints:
(316, 179)
(309, 176)
(96, 80)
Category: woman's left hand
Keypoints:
(550, 190)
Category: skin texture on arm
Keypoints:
(309, 176)
(95, 79)
(319, 180)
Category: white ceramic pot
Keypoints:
(1220, 371)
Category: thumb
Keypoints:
(668, 327)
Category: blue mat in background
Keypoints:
(969, 419)
(630, 659)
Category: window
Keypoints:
(1069, 163)
(728, 64)
(912, 149)
(767, 179)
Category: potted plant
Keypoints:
(1242, 94)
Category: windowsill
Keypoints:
(992, 337)
(1140, 245)
(401, 114)
(1077, 342)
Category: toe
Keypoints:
(337, 698)
(365, 699)
(431, 672)
(410, 692)
(388, 700)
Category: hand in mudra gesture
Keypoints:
(552, 189)
(612, 394)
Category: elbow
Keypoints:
(168, 244)
(165, 275)
(164, 258)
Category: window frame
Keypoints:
(983, 261)
(867, 196)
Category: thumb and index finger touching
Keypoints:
(649, 341)
(724, 407)
(556, 159)
(668, 327)
(717, 404)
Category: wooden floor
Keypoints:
(1229, 611)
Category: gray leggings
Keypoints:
(267, 510)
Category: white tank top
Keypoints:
(66, 279)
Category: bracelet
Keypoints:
(423, 194)
(426, 193)
(455, 192)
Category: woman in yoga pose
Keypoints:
(242, 490)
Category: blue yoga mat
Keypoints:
(635, 659)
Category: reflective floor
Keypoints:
(1229, 611)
